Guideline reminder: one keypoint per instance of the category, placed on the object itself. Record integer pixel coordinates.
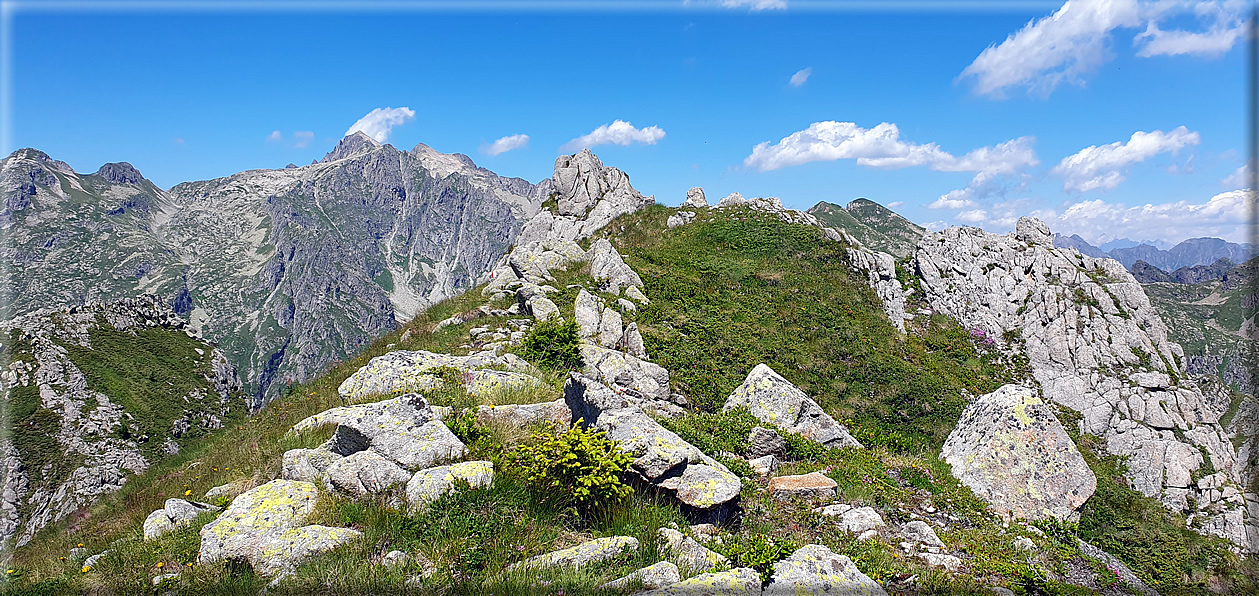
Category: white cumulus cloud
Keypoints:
(1103, 167)
(1074, 41)
(800, 77)
(756, 5)
(1240, 178)
(882, 147)
(619, 132)
(379, 122)
(275, 136)
(505, 144)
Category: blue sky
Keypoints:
(954, 115)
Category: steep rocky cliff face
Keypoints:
(288, 269)
(1097, 347)
(93, 395)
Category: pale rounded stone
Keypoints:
(735, 582)
(660, 575)
(689, 554)
(815, 569)
(599, 549)
(429, 485)
(774, 400)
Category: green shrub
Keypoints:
(579, 467)
(759, 552)
(553, 344)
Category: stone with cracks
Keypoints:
(404, 430)
(735, 582)
(429, 485)
(688, 553)
(815, 569)
(485, 382)
(364, 474)
(921, 532)
(587, 311)
(813, 485)
(633, 342)
(764, 466)
(553, 413)
(1012, 452)
(627, 374)
(533, 261)
(859, 520)
(533, 301)
(774, 400)
(176, 513)
(610, 331)
(599, 549)
(660, 575)
(587, 189)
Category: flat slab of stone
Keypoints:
(815, 569)
(921, 532)
(429, 485)
(1012, 452)
(735, 582)
(599, 549)
(860, 519)
(307, 465)
(660, 575)
(625, 373)
(813, 485)
(554, 413)
(774, 400)
(288, 550)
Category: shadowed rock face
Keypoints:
(288, 270)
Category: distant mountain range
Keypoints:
(287, 270)
(1190, 253)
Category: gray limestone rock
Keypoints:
(176, 513)
(625, 373)
(774, 400)
(859, 520)
(632, 342)
(402, 371)
(815, 569)
(587, 189)
(610, 331)
(1010, 449)
(404, 430)
(588, 312)
(428, 485)
(364, 474)
(763, 442)
(689, 554)
(606, 265)
(660, 575)
(764, 466)
(695, 198)
(307, 465)
(281, 554)
(921, 532)
(599, 549)
(553, 413)
(742, 581)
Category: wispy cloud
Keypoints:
(505, 144)
(756, 5)
(882, 147)
(1074, 41)
(1104, 167)
(800, 77)
(618, 132)
(379, 123)
(1240, 178)
(302, 138)
(275, 136)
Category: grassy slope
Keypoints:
(726, 295)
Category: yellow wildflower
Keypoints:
(86, 569)
(160, 564)
(187, 492)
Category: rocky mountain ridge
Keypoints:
(1188, 253)
(287, 270)
(70, 442)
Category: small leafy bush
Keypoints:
(760, 552)
(579, 467)
(553, 344)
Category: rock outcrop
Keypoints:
(71, 443)
(815, 569)
(403, 430)
(774, 400)
(599, 549)
(402, 371)
(1096, 346)
(176, 513)
(1012, 452)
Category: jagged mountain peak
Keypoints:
(351, 145)
(444, 164)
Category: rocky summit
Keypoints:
(479, 385)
